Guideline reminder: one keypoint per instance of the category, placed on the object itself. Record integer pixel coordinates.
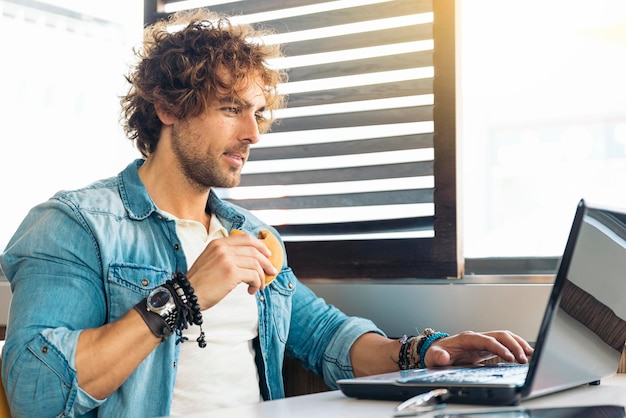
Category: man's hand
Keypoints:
(227, 262)
(473, 347)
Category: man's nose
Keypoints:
(251, 129)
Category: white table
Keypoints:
(335, 405)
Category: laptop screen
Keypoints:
(587, 309)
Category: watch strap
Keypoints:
(157, 324)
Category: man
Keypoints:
(108, 281)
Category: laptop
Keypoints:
(580, 339)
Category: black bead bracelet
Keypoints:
(188, 307)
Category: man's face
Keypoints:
(212, 148)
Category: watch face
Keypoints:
(158, 298)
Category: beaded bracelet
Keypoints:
(187, 306)
(426, 345)
(403, 357)
(413, 349)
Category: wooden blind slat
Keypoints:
(406, 142)
(362, 66)
(235, 8)
(402, 256)
(358, 13)
(378, 91)
(341, 200)
(424, 223)
(376, 38)
(342, 174)
(375, 117)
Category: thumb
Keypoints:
(437, 357)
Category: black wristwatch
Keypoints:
(159, 311)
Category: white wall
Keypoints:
(399, 307)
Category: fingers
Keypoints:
(472, 347)
(226, 263)
(265, 263)
(247, 269)
(527, 349)
(509, 346)
(246, 240)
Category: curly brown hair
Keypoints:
(178, 71)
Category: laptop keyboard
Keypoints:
(509, 372)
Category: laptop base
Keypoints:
(475, 396)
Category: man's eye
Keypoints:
(260, 117)
(232, 109)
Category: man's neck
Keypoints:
(172, 192)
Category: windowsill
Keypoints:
(492, 279)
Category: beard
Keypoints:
(201, 165)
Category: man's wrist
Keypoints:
(413, 349)
(157, 324)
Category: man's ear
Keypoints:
(165, 117)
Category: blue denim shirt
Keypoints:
(84, 258)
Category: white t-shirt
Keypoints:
(223, 373)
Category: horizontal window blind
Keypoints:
(348, 174)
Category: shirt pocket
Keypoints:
(280, 302)
(129, 283)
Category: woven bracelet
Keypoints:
(403, 357)
(427, 343)
(409, 356)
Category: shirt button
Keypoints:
(262, 298)
(144, 282)
(45, 349)
(176, 247)
(290, 285)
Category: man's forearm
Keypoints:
(107, 355)
(372, 354)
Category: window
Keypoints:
(62, 72)
(543, 119)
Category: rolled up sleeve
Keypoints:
(336, 364)
(321, 336)
(40, 379)
(57, 292)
